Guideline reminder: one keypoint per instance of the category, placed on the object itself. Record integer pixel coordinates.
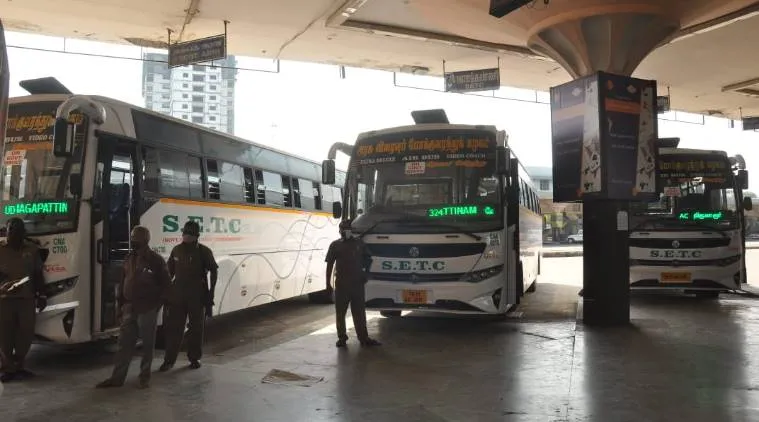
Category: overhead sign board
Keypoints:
(751, 123)
(473, 80)
(198, 51)
(662, 104)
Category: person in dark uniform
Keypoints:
(142, 292)
(18, 299)
(189, 266)
(350, 260)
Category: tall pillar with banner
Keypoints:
(604, 131)
(5, 76)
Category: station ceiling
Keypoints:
(709, 67)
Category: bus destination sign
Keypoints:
(461, 211)
(442, 151)
(36, 208)
(682, 167)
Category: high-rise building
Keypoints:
(200, 94)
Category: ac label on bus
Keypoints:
(172, 224)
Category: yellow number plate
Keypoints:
(676, 277)
(417, 297)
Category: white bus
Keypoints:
(449, 217)
(81, 191)
(693, 238)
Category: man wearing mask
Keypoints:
(18, 299)
(189, 265)
(350, 260)
(142, 292)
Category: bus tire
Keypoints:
(390, 314)
(533, 286)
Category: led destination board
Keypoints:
(461, 211)
(36, 208)
(701, 215)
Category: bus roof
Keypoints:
(115, 102)
(422, 128)
(676, 151)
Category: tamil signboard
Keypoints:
(662, 104)
(198, 51)
(604, 133)
(750, 123)
(473, 80)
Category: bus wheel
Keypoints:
(533, 286)
(390, 314)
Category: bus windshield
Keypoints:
(694, 201)
(35, 185)
(427, 192)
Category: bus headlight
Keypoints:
(57, 287)
(479, 275)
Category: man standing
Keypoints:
(18, 299)
(189, 265)
(350, 260)
(144, 289)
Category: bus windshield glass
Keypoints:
(426, 182)
(35, 185)
(700, 194)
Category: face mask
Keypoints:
(186, 238)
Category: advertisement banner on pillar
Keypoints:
(575, 140)
(629, 122)
(604, 131)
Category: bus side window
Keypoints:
(307, 194)
(260, 188)
(317, 196)
(287, 192)
(250, 186)
(231, 183)
(195, 172)
(213, 179)
(273, 188)
(296, 192)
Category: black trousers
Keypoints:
(178, 314)
(350, 293)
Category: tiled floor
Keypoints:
(682, 360)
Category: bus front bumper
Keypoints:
(458, 297)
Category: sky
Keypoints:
(306, 107)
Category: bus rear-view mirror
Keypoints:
(337, 210)
(63, 138)
(75, 184)
(328, 172)
(743, 179)
(501, 160)
(748, 204)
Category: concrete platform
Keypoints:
(683, 359)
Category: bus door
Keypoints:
(514, 281)
(115, 213)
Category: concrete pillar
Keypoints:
(583, 43)
(614, 43)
